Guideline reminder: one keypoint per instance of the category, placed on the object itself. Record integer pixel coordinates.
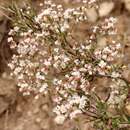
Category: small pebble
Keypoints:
(92, 14)
(127, 4)
(36, 111)
(127, 109)
(38, 120)
(105, 8)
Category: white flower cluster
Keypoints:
(49, 59)
(118, 93)
(107, 27)
(89, 2)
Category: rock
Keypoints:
(102, 42)
(7, 94)
(92, 14)
(36, 110)
(45, 107)
(127, 109)
(38, 120)
(127, 4)
(105, 8)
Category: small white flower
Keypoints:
(10, 39)
(74, 113)
(76, 73)
(41, 4)
(16, 28)
(43, 87)
(115, 74)
(60, 119)
(39, 76)
(102, 64)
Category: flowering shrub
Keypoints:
(51, 59)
